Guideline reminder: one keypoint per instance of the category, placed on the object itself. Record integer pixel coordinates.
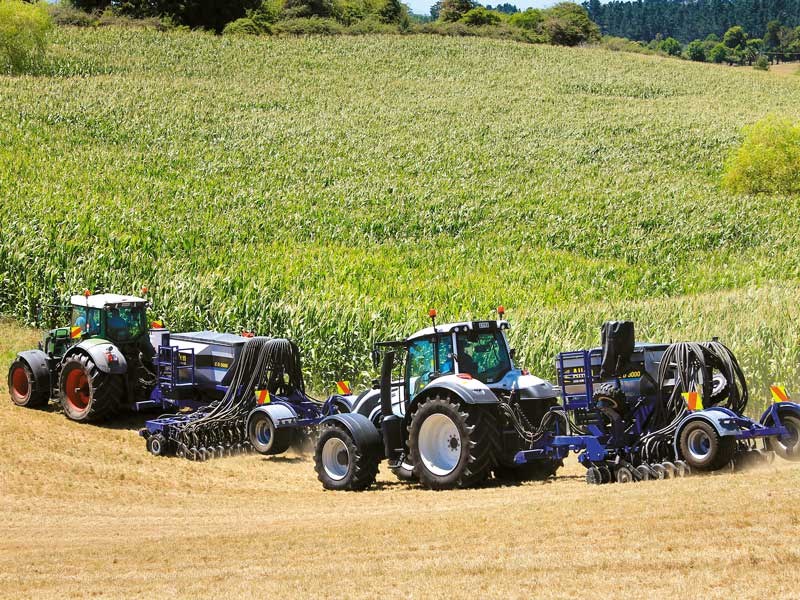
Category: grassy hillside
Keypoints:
(333, 189)
(91, 514)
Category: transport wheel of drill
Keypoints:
(605, 474)
(593, 476)
(86, 393)
(625, 474)
(22, 386)
(703, 448)
(658, 471)
(683, 468)
(451, 445)
(264, 437)
(157, 445)
(644, 473)
(341, 464)
(787, 446)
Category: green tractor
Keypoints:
(99, 364)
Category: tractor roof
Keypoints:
(103, 300)
(462, 326)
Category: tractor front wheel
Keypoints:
(450, 444)
(22, 386)
(703, 448)
(88, 394)
(341, 464)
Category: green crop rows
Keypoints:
(333, 189)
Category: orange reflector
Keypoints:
(343, 388)
(157, 324)
(465, 376)
(75, 332)
(263, 397)
(694, 401)
(779, 393)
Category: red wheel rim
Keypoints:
(20, 386)
(77, 389)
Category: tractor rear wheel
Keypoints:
(341, 464)
(451, 445)
(22, 386)
(787, 446)
(264, 437)
(88, 394)
(703, 448)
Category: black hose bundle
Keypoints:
(709, 368)
(264, 363)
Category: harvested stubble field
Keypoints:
(86, 512)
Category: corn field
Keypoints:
(333, 189)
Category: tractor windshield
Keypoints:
(125, 322)
(483, 355)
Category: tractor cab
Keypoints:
(472, 350)
(121, 319)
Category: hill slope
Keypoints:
(333, 189)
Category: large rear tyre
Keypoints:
(87, 394)
(451, 445)
(702, 447)
(264, 437)
(787, 446)
(341, 464)
(23, 388)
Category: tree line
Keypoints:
(687, 20)
(565, 24)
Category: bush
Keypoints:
(243, 26)
(481, 16)
(762, 64)
(568, 24)
(453, 10)
(369, 25)
(696, 51)
(530, 19)
(23, 35)
(670, 47)
(66, 14)
(718, 54)
(618, 44)
(312, 26)
(768, 159)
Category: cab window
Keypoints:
(483, 355)
(125, 322)
(421, 362)
(88, 319)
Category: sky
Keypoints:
(423, 7)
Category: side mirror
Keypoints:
(512, 353)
